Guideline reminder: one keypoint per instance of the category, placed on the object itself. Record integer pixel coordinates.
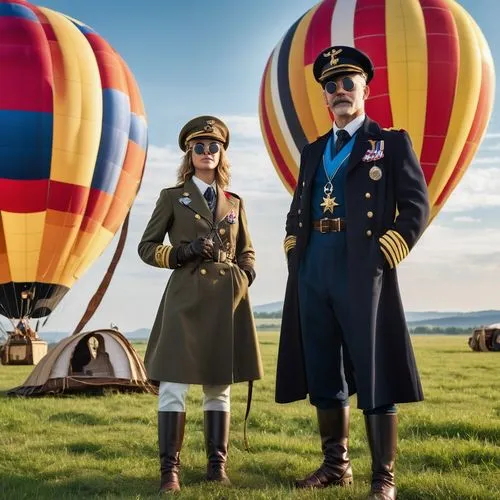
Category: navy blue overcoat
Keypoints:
(385, 217)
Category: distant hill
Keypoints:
(269, 308)
(415, 319)
(424, 318)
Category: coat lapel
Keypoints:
(198, 203)
(224, 205)
(368, 130)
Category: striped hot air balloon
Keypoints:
(434, 77)
(73, 140)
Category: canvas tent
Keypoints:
(87, 362)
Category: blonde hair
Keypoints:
(222, 172)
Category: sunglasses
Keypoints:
(347, 84)
(213, 147)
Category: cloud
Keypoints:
(479, 188)
(243, 127)
(465, 218)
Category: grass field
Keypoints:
(105, 447)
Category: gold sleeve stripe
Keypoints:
(166, 256)
(162, 253)
(289, 243)
(395, 245)
(158, 258)
(387, 257)
(403, 242)
(387, 244)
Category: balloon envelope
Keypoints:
(73, 140)
(434, 77)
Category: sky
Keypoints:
(196, 57)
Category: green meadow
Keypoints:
(105, 447)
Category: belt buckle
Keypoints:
(336, 225)
(323, 225)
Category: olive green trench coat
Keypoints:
(204, 332)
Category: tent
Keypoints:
(87, 362)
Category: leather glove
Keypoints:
(250, 274)
(200, 247)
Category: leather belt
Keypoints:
(327, 225)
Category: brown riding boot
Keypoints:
(216, 424)
(336, 467)
(382, 432)
(170, 435)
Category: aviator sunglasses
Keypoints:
(199, 148)
(347, 84)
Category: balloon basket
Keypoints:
(23, 351)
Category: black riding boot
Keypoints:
(216, 424)
(382, 432)
(170, 435)
(336, 467)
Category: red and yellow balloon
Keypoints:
(434, 77)
(72, 151)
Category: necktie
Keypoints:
(343, 137)
(209, 195)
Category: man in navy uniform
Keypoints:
(359, 207)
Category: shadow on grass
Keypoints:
(71, 417)
(449, 430)
(84, 486)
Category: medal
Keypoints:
(329, 204)
(375, 173)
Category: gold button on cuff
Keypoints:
(203, 271)
(197, 216)
(185, 193)
(369, 215)
(222, 272)
(222, 231)
(368, 196)
(368, 233)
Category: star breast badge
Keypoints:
(329, 204)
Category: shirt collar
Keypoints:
(202, 186)
(351, 127)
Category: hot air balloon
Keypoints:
(73, 140)
(434, 77)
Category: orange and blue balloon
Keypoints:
(434, 77)
(73, 141)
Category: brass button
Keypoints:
(197, 216)
(185, 193)
(368, 196)
(222, 231)
(369, 214)
(369, 233)
(203, 271)
(300, 224)
(222, 272)
(299, 211)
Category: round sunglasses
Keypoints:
(213, 147)
(347, 84)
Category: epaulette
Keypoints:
(394, 129)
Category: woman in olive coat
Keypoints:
(204, 331)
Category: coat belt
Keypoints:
(327, 225)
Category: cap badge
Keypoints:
(333, 56)
(209, 127)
